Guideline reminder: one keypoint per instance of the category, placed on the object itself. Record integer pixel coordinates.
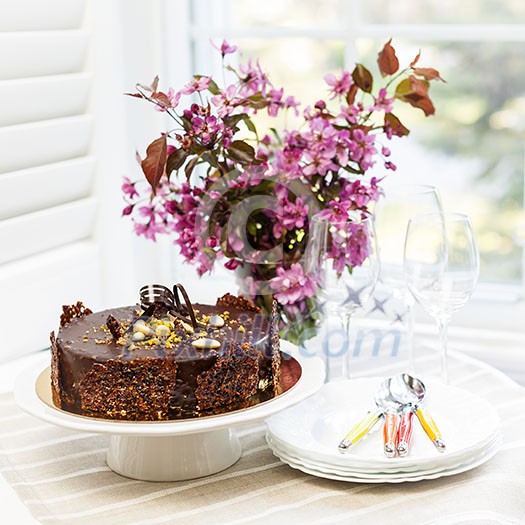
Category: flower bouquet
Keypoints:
(231, 193)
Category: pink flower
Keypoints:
(339, 85)
(128, 188)
(362, 149)
(253, 79)
(148, 212)
(225, 101)
(390, 166)
(291, 103)
(275, 97)
(212, 241)
(286, 163)
(350, 113)
(127, 210)
(225, 48)
(382, 102)
(235, 242)
(197, 84)
(173, 98)
(232, 264)
(291, 285)
(170, 207)
(149, 230)
(292, 215)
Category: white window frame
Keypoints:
(498, 306)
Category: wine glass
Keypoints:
(392, 214)
(441, 267)
(342, 257)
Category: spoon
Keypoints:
(387, 407)
(411, 392)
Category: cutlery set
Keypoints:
(397, 399)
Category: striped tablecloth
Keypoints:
(62, 477)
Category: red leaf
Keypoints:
(155, 162)
(152, 88)
(419, 87)
(416, 60)
(350, 96)
(162, 99)
(362, 78)
(241, 152)
(387, 60)
(190, 167)
(415, 92)
(425, 105)
(175, 160)
(428, 73)
(137, 95)
(155, 84)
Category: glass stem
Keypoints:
(409, 305)
(345, 321)
(443, 337)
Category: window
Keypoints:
(472, 150)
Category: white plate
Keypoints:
(370, 473)
(399, 466)
(313, 428)
(401, 478)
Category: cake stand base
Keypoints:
(173, 458)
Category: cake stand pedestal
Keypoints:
(171, 458)
(172, 450)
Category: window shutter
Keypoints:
(47, 210)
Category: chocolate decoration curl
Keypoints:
(153, 296)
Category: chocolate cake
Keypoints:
(163, 359)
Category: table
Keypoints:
(61, 477)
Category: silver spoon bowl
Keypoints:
(411, 392)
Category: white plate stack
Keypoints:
(306, 436)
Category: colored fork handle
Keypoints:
(390, 434)
(431, 428)
(359, 430)
(404, 433)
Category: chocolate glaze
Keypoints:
(86, 341)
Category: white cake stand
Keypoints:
(167, 450)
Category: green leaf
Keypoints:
(186, 122)
(362, 78)
(275, 133)
(211, 158)
(403, 89)
(241, 152)
(250, 125)
(257, 101)
(197, 148)
(233, 120)
(398, 129)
